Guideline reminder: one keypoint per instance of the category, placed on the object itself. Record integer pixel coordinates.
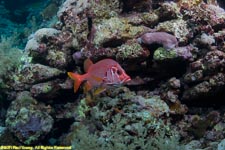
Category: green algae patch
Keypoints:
(130, 50)
(163, 54)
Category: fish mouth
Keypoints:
(127, 79)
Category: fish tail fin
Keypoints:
(77, 80)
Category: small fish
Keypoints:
(104, 72)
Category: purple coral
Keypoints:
(167, 40)
(32, 126)
(185, 51)
(78, 57)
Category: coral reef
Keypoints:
(173, 51)
(114, 117)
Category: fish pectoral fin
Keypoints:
(98, 79)
(87, 64)
(87, 87)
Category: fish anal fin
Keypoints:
(91, 95)
(87, 64)
(99, 90)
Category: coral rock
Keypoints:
(131, 50)
(206, 88)
(167, 11)
(178, 27)
(114, 31)
(46, 90)
(32, 74)
(28, 120)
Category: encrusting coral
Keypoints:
(168, 41)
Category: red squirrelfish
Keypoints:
(104, 72)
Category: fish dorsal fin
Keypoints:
(87, 64)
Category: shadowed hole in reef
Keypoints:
(113, 43)
(4, 104)
(59, 128)
(138, 5)
(154, 76)
(215, 99)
